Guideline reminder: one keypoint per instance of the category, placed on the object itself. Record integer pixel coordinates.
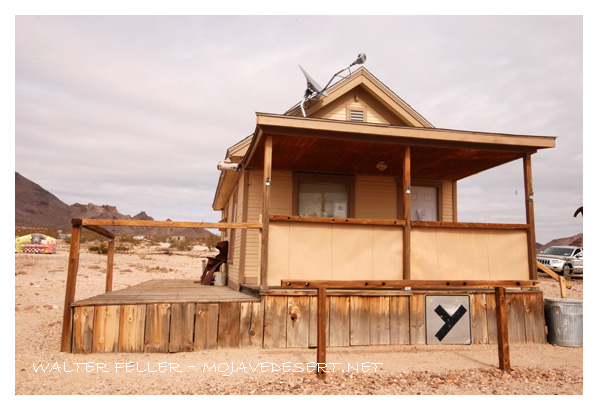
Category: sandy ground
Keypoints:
(41, 369)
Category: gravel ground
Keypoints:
(41, 369)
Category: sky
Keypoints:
(136, 111)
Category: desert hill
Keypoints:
(39, 208)
(575, 240)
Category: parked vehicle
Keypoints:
(564, 260)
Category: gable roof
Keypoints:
(364, 84)
(390, 125)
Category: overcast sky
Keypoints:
(136, 112)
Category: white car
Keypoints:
(564, 260)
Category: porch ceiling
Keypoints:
(333, 156)
(341, 147)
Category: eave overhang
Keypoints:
(342, 147)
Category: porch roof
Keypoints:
(343, 147)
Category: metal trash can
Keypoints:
(220, 278)
(564, 322)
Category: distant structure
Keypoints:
(35, 244)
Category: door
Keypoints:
(424, 204)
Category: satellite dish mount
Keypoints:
(314, 90)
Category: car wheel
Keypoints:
(567, 271)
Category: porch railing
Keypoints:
(316, 248)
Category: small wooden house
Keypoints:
(364, 188)
(356, 189)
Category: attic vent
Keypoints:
(356, 115)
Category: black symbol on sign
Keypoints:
(449, 321)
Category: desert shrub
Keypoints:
(211, 241)
(102, 248)
(183, 245)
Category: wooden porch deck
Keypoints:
(181, 315)
(168, 291)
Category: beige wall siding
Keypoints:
(447, 201)
(252, 252)
(376, 197)
(281, 192)
(281, 196)
(340, 112)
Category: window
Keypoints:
(317, 195)
(323, 199)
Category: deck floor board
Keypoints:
(168, 291)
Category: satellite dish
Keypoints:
(314, 90)
(313, 86)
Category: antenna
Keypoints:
(313, 86)
(314, 90)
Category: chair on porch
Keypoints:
(214, 263)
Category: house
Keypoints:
(175, 238)
(364, 187)
(351, 186)
(357, 185)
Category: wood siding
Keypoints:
(376, 198)
(282, 320)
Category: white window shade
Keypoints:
(323, 199)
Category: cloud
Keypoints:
(135, 111)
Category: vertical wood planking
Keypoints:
(251, 324)
(359, 315)
(515, 315)
(83, 328)
(379, 321)
(106, 328)
(206, 327)
(491, 319)
(182, 327)
(399, 320)
(228, 325)
(534, 318)
(478, 311)
(298, 321)
(275, 321)
(71, 286)
(158, 320)
(339, 321)
(417, 322)
(132, 327)
(313, 335)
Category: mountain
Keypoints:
(575, 240)
(36, 207)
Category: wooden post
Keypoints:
(266, 211)
(530, 217)
(321, 338)
(406, 186)
(503, 344)
(71, 286)
(110, 264)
